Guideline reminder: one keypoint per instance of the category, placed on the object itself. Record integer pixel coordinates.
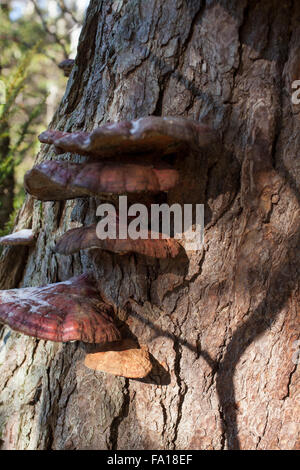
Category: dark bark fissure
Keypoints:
(182, 388)
(124, 410)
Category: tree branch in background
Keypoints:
(66, 11)
(57, 38)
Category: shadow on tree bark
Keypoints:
(254, 327)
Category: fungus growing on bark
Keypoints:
(67, 66)
(162, 135)
(66, 311)
(53, 180)
(86, 238)
(50, 136)
(22, 238)
(122, 359)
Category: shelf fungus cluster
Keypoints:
(124, 157)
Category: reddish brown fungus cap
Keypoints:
(86, 238)
(66, 311)
(23, 238)
(49, 136)
(53, 180)
(163, 135)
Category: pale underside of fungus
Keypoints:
(124, 359)
(24, 237)
(161, 135)
(86, 238)
(53, 180)
(66, 311)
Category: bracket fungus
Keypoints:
(61, 312)
(67, 66)
(161, 135)
(54, 180)
(86, 238)
(24, 237)
(123, 359)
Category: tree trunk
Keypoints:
(221, 324)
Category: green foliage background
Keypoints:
(30, 50)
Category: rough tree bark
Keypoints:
(221, 324)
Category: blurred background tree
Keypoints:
(35, 36)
